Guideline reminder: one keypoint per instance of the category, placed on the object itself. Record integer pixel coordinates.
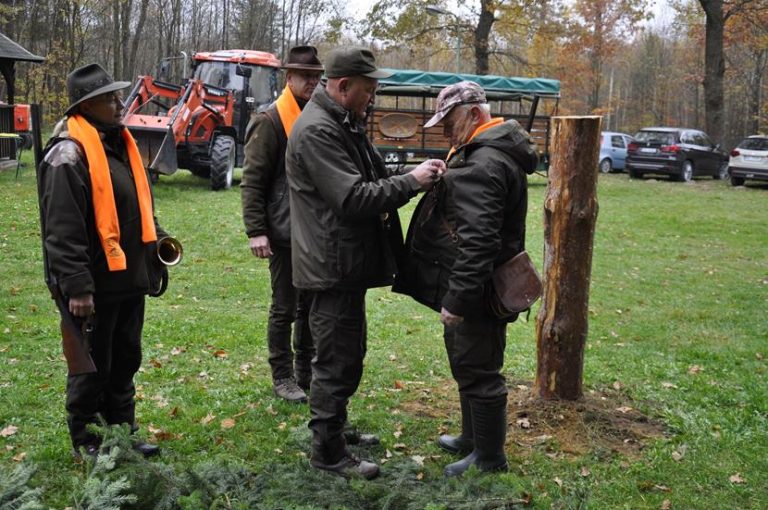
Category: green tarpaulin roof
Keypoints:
(425, 82)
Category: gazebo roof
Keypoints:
(11, 50)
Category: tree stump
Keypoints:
(570, 213)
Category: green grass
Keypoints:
(679, 278)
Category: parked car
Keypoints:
(613, 151)
(680, 153)
(749, 160)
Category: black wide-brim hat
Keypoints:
(88, 82)
(303, 58)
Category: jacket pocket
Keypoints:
(351, 255)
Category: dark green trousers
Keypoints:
(338, 325)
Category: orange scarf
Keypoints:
(488, 125)
(104, 208)
(288, 109)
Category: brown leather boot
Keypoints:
(348, 466)
(287, 389)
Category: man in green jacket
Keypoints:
(471, 222)
(266, 214)
(345, 235)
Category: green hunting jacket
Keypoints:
(470, 222)
(345, 232)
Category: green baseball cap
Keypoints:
(353, 61)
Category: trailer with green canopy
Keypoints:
(406, 100)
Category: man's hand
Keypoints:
(260, 246)
(428, 172)
(81, 306)
(449, 319)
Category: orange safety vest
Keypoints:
(104, 208)
(288, 109)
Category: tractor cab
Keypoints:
(250, 75)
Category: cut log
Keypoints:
(570, 213)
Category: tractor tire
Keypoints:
(223, 155)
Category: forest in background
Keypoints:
(612, 57)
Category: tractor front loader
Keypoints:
(200, 125)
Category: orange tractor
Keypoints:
(201, 125)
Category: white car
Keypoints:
(749, 160)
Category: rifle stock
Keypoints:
(75, 338)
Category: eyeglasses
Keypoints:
(111, 97)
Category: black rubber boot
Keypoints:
(463, 443)
(489, 420)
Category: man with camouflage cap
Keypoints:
(471, 222)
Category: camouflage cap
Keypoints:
(464, 92)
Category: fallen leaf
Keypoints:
(418, 459)
(420, 476)
(558, 481)
(399, 385)
(665, 505)
(585, 471)
(153, 430)
(155, 363)
(227, 423)
(759, 355)
(523, 423)
(624, 409)
(177, 350)
(270, 410)
(662, 488)
(737, 478)
(522, 387)
(208, 419)
(397, 433)
(695, 369)
(220, 353)
(616, 385)
(19, 456)
(392, 357)
(678, 454)
(668, 385)
(9, 431)
(174, 412)
(399, 446)
(282, 425)
(388, 454)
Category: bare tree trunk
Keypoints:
(116, 39)
(137, 38)
(481, 34)
(755, 105)
(570, 213)
(125, 27)
(714, 68)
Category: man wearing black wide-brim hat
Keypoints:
(100, 235)
(266, 215)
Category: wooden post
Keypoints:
(570, 212)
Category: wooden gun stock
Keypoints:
(75, 339)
